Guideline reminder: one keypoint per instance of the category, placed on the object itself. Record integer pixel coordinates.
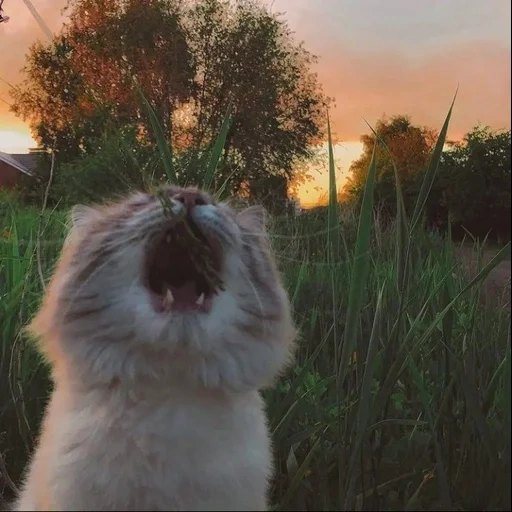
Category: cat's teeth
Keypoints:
(200, 300)
(168, 298)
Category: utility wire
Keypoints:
(39, 20)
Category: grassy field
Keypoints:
(418, 416)
(399, 398)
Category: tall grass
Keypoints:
(400, 394)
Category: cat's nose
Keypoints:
(190, 199)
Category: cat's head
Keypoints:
(128, 303)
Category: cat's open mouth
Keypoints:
(182, 270)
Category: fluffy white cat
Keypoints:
(156, 404)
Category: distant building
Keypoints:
(14, 166)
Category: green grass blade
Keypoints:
(359, 270)
(499, 257)
(431, 172)
(402, 228)
(473, 404)
(218, 148)
(332, 234)
(363, 414)
(444, 486)
(289, 398)
(164, 147)
(300, 473)
(223, 189)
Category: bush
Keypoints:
(113, 169)
(473, 186)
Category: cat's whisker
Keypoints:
(255, 292)
(98, 269)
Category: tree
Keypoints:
(83, 83)
(473, 185)
(277, 101)
(191, 59)
(409, 147)
(120, 162)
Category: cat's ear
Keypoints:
(82, 215)
(253, 218)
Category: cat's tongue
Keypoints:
(185, 296)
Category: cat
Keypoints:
(156, 402)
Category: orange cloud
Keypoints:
(370, 84)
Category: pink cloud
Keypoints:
(370, 84)
(364, 62)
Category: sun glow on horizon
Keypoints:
(309, 194)
(12, 141)
(312, 192)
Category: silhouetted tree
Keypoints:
(473, 185)
(410, 147)
(190, 59)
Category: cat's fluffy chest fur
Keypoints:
(172, 452)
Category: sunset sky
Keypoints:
(375, 57)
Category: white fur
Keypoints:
(171, 451)
(153, 411)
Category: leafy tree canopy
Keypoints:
(409, 148)
(190, 58)
(473, 185)
(471, 190)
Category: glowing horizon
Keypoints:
(20, 141)
(16, 141)
(344, 154)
